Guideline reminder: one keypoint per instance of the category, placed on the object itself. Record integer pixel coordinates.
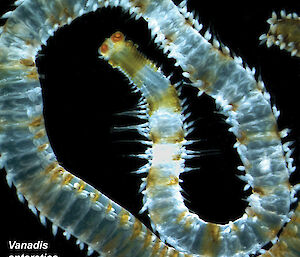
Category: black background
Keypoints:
(82, 94)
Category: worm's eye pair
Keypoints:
(114, 38)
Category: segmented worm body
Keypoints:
(94, 219)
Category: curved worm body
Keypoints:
(167, 211)
(90, 216)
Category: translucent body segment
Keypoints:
(288, 243)
(284, 32)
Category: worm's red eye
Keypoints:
(104, 48)
(117, 37)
